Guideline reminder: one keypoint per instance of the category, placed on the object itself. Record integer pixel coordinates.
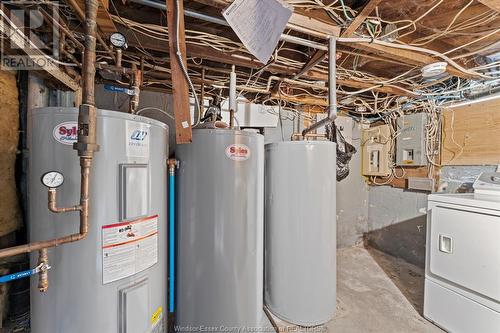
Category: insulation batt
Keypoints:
(10, 217)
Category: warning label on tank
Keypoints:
(129, 248)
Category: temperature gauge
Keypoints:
(52, 179)
(118, 40)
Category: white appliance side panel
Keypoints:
(464, 249)
(456, 313)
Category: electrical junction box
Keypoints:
(410, 143)
(376, 146)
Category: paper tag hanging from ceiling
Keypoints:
(258, 24)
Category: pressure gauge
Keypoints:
(52, 179)
(118, 40)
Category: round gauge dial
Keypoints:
(118, 40)
(52, 179)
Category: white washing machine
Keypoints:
(462, 274)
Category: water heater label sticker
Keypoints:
(238, 152)
(137, 139)
(66, 133)
(157, 321)
(129, 248)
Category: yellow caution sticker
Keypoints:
(156, 316)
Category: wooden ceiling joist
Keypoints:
(493, 4)
(315, 59)
(54, 73)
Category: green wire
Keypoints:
(345, 11)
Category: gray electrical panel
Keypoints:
(410, 144)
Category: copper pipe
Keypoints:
(231, 118)
(84, 223)
(88, 70)
(53, 205)
(81, 15)
(86, 146)
(43, 276)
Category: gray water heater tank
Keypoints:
(300, 227)
(115, 280)
(220, 231)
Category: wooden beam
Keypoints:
(493, 4)
(302, 100)
(53, 72)
(320, 55)
(360, 18)
(307, 22)
(315, 59)
(180, 89)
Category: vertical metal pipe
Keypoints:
(232, 96)
(332, 88)
(332, 77)
(202, 95)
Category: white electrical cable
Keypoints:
(413, 48)
(155, 109)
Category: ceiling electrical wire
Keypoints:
(366, 103)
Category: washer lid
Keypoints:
(468, 199)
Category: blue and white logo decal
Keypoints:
(139, 135)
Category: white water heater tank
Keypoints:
(115, 280)
(300, 228)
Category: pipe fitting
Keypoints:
(53, 203)
(87, 119)
(172, 164)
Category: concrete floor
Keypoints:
(375, 293)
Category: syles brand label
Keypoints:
(238, 152)
(66, 133)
